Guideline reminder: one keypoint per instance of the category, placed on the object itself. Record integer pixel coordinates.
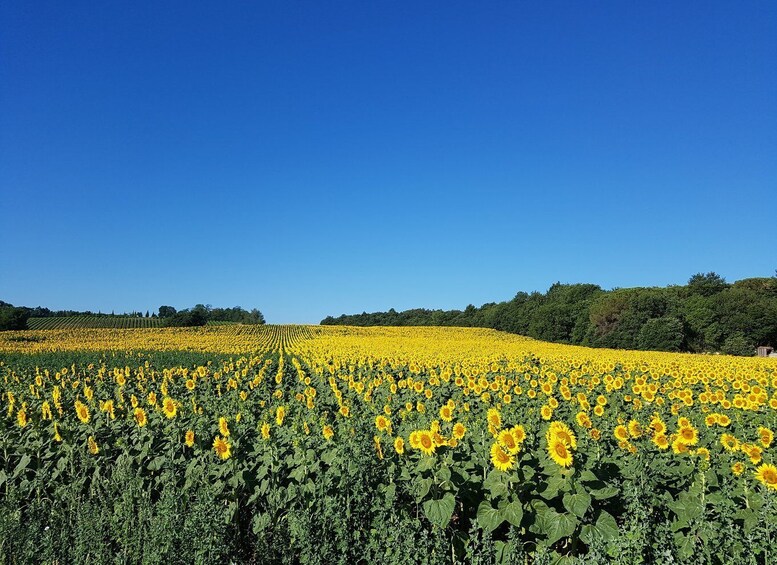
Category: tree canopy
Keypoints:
(706, 315)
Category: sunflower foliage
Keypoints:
(291, 444)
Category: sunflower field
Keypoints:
(308, 444)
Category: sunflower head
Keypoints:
(222, 448)
(501, 459)
(560, 453)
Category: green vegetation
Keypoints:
(68, 322)
(706, 315)
(23, 318)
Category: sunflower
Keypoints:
(599, 410)
(494, 418)
(738, 468)
(327, 432)
(767, 475)
(169, 407)
(559, 452)
(223, 427)
(280, 414)
(426, 442)
(766, 436)
(518, 433)
(660, 441)
(583, 420)
(559, 430)
(93, 449)
(21, 416)
(140, 417)
(678, 446)
(414, 440)
(82, 411)
(658, 425)
(378, 447)
(190, 384)
(754, 453)
(688, 435)
(546, 412)
(502, 460)
(635, 430)
(621, 433)
(152, 398)
(382, 423)
(222, 447)
(729, 442)
(507, 441)
(399, 445)
(459, 430)
(446, 413)
(266, 431)
(189, 441)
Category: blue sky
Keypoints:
(315, 158)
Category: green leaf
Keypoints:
(21, 465)
(488, 516)
(684, 545)
(606, 526)
(329, 456)
(499, 552)
(577, 504)
(604, 493)
(426, 463)
(391, 492)
(439, 511)
(749, 518)
(443, 474)
(260, 522)
(688, 508)
(512, 512)
(298, 474)
(423, 488)
(495, 484)
(555, 525)
(156, 463)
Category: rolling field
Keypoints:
(118, 322)
(308, 444)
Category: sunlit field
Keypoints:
(307, 444)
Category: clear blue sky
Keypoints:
(314, 158)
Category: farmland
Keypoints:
(67, 322)
(118, 322)
(309, 444)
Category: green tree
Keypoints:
(706, 284)
(661, 334)
(166, 311)
(738, 344)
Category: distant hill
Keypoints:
(706, 315)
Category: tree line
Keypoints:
(15, 317)
(706, 315)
